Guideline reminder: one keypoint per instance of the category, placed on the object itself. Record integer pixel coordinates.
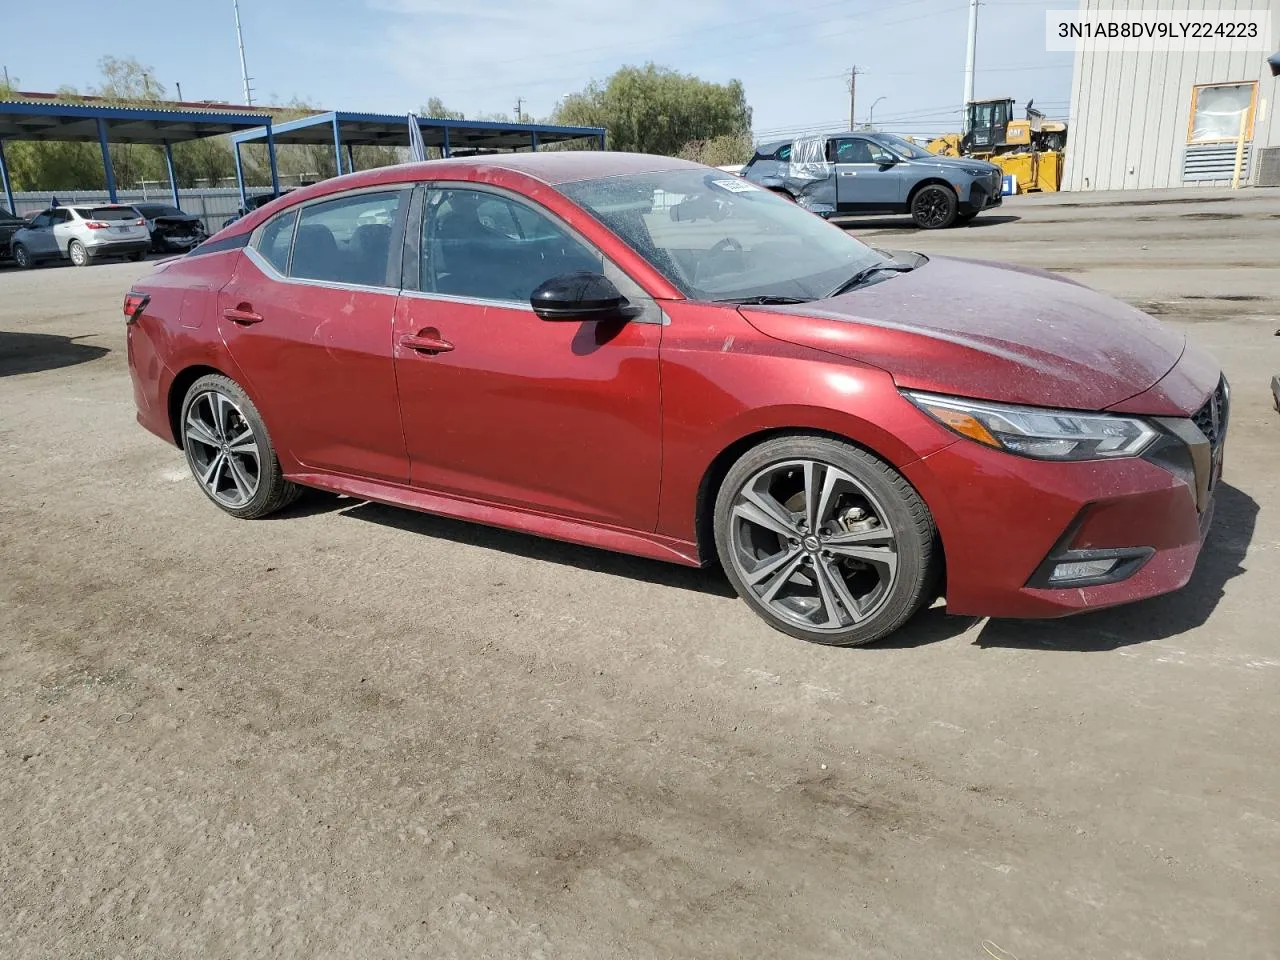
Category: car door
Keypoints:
(64, 229)
(38, 235)
(867, 176)
(498, 405)
(307, 317)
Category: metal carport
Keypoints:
(26, 120)
(350, 130)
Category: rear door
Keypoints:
(867, 176)
(65, 227)
(307, 317)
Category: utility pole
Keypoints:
(853, 91)
(968, 63)
(519, 108)
(244, 68)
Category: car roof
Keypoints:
(568, 166)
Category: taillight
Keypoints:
(139, 223)
(96, 224)
(134, 304)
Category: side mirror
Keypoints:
(582, 296)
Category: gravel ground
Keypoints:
(353, 731)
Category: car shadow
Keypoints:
(906, 224)
(709, 579)
(33, 352)
(1158, 618)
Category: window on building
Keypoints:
(1217, 109)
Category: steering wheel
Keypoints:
(728, 243)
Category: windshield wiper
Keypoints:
(867, 273)
(764, 299)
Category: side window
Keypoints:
(852, 151)
(276, 238)
(483, 245)
(347, 240)
(42, 220)
(61, 216)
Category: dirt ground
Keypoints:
(353, 731)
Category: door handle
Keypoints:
(242, 315)
(848, 173)
(428, 341)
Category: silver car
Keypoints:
(81, 234)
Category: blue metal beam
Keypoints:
(244, 199)
(446, 152)
(173, 177)
(106, 159)
(4, 179)
(271, 157)
(337, 145)
(351, 159)
(534, 137)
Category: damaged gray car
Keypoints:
(865, 172)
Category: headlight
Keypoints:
(1037, 432)
(978, 173)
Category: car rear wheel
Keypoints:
(230, 452)
(79, 256)
(21, 257)
(825, 541)
(934, 207)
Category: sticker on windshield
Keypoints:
(734, 186)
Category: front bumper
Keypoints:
(982, 196)
(1005, 521)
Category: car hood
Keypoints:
(988, 331)
(955, 163)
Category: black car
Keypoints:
(172, 230)
(253, 203)
(9, 225)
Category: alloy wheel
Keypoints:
(932, 209)
(812, 545)
(222, 449)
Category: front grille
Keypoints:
(1211, 418)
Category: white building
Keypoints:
(1172, 118)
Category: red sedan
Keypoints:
(651, 356)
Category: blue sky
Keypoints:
(391, 55)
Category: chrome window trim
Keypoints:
(468, 301)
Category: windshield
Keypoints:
(718, 237)
(903, 147)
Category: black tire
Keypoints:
(934, 207)
(273, 491)
(22, 257)
(919, 559)
(135, 257)
(78, 254)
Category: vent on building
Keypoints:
(1268, 167)
(1213, 161)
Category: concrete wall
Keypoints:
(1130, 111)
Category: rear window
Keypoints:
(107, 213)
(153, 210)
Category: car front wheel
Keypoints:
(825, 541)
(934, 207)
(22, 258)
(229, 451)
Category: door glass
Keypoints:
(852, 151)
(879, 154)
(483, 245)
(347, 240)
(275, 240)
(42, 220)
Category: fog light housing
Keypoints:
(1072, 570)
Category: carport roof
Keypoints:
(391, 130)
(23, 120)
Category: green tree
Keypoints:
(720, 151)
(654, 109)
(434, 107)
